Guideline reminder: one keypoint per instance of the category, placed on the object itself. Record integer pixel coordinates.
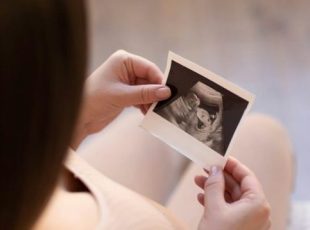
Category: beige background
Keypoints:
(262, 45)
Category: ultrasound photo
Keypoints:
(202, 115)
(199, 113)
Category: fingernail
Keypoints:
(163, 92)
(214, 170)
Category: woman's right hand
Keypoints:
(233, 199)
(123, 80)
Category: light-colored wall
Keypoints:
(262, 45)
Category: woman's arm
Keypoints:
(123, 80)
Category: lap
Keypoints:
(129, 155)
(132, 157)
(264, 146)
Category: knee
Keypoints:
(266, 129)
(265, 121)
(265, 136)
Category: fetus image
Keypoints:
(199, 112)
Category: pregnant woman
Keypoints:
(48, 105)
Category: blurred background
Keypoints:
(264, 46)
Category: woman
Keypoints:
(45, 110)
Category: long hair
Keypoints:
(42, 70)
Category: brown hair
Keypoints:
(42, 69)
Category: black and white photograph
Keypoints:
(202, 115)
(199, 112)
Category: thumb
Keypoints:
(214, 188)
(146, 94)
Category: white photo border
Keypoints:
(180, 140)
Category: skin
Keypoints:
(123, 80)
(233, 198)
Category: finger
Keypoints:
(244, 176)
(144, 94)
(143, 108)
(214, 188)
(237, 169)
(201, 198)
(232, 186)
(200, 181)
(228, 197)
(139, 67)
(147, 107)
(267, 224)
(141, 81)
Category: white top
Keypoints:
(119, 207)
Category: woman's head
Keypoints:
(42, 69)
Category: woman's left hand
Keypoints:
(123, 80)
(233, 199)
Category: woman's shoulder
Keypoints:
(124, 208)
(66, 210)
